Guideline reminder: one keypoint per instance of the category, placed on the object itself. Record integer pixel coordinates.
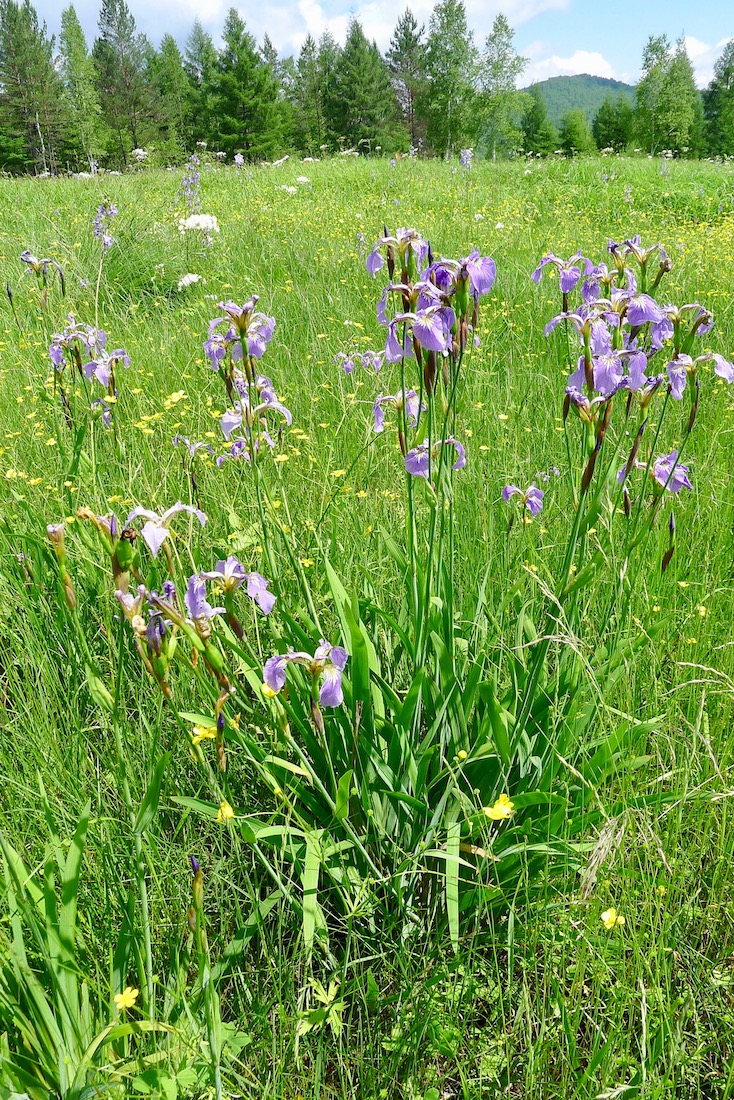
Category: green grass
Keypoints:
(539, 999)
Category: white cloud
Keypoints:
(703, 57)
(580, 61)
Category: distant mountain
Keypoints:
(587, 93)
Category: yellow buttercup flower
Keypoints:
(203, 733)
(502, 809)
(126, 999)
(612, 919)
(225, 813)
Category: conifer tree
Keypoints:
(539, 134)
(613, 124)
(200, 65)
(406, 62)
(120, 58)
(172, 98)
(575, 133)
(245, 93)
(32, 105)
(366, 107)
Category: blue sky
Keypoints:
(557, 36)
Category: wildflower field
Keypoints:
(366, 663)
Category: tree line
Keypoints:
(66, 107)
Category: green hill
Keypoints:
(566, 93)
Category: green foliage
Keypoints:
(78, 74)
(440, 969)
(244, 96)
(583, 92)
(364, 113)
(575, 134)
(718, 102)
(447, 102)
(539, 135)
(406, 62)
(665, 98)
(613, 125)
(31, 100)
(500, 106)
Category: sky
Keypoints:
(558, 37)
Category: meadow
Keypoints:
(449, 817)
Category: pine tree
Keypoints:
(501, 105)
(406, 62)
(120, 58)
(366, 115)
(245, 93)
(200, 65)
(448, 99)
(575, 134)
(307, 100)
(171, 86)
(329, 52)
(539, 134)
(718, 102)
(32, 106)
(613, 124)
(78, 74)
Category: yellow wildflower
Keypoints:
(126, 999)
(203, 733)
(225, 813)
(502, 809)
(612, 919)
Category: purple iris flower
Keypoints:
(569, 270)
(723, 368)
(156, 530)
(195, 600)
(395, 401)
(105, 212)
(678, 370)
(482, 272)
(241, 447)
(431, 328)
(668, 465)
(641, 308)
(102, 368)
(369, 360)
(667, 472)
(532, 497)
(418, 460)
(40, 267)
(192, 448)
(106, 412)
(242, 413)
(661, 332)
(326, 665)
(245, 324)
(408, 244)
(231, 574)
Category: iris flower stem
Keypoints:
(411, 528)
(434, 519)
(146, 979)
(96, 289)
